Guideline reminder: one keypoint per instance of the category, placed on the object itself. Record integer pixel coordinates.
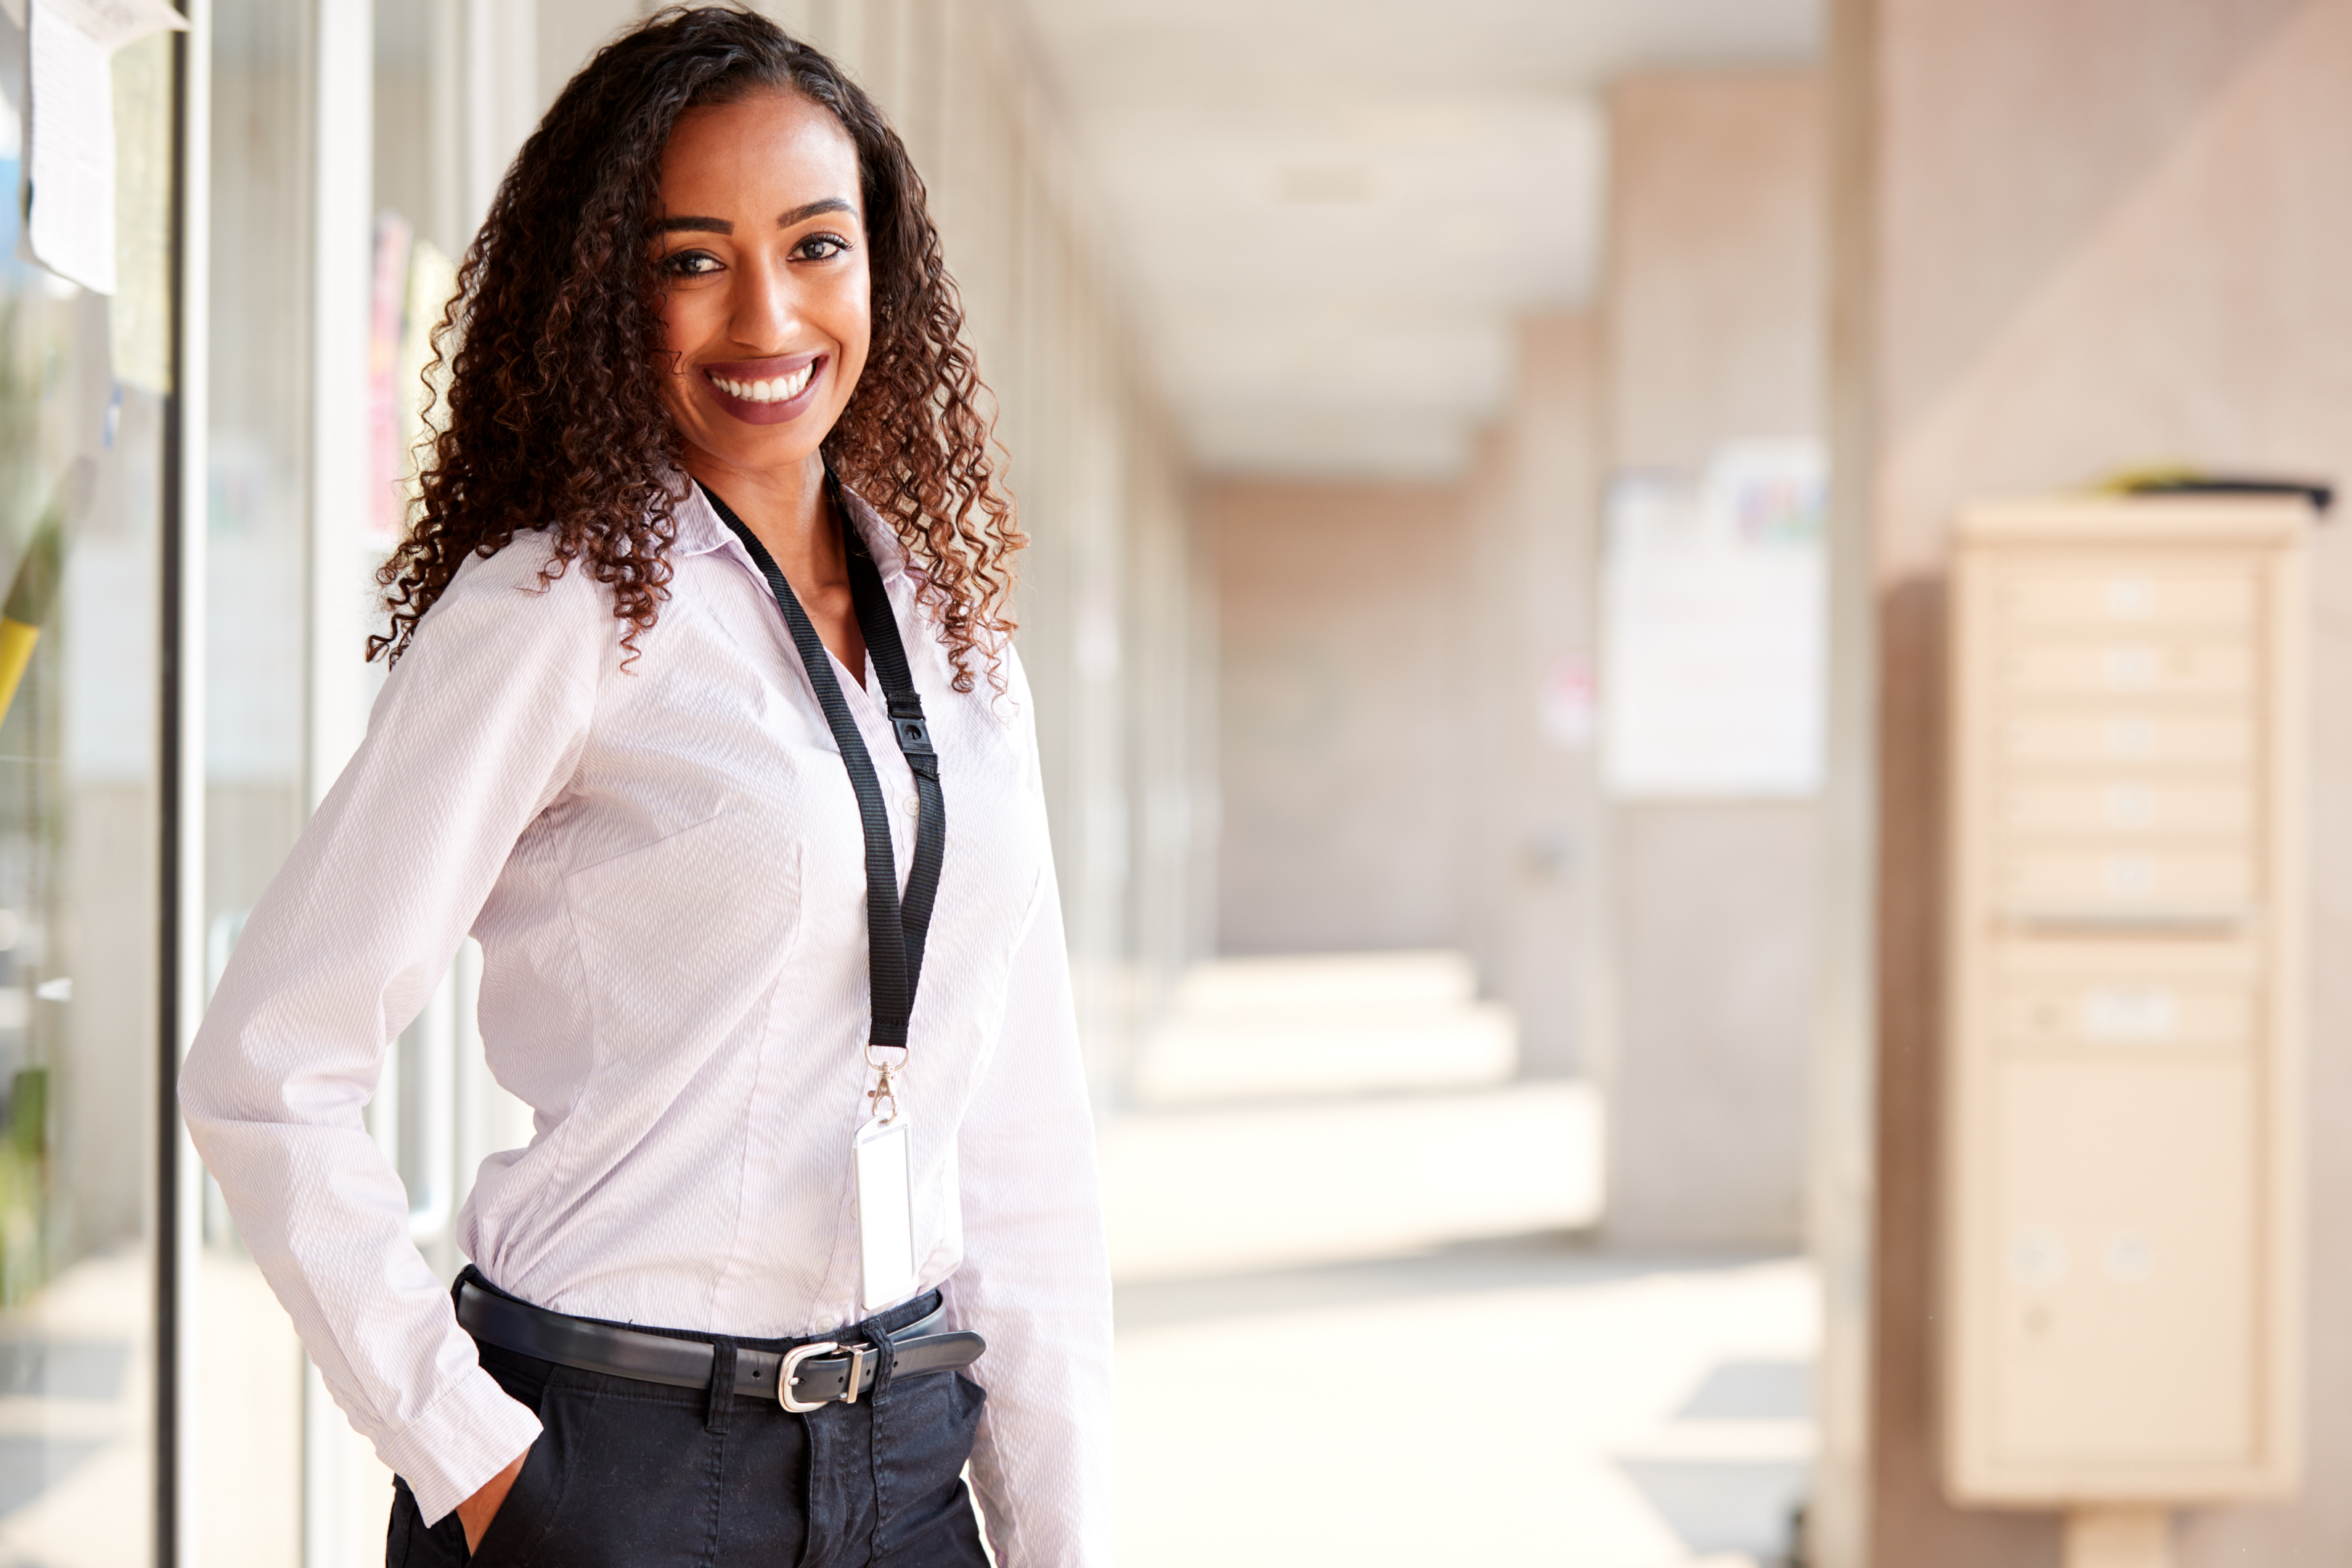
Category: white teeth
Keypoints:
(775, 389)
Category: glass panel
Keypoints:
(82, 413)
(247, 1462)
(417, 236)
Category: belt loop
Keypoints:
(722, 1385)
(886, 1354)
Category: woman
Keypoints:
(704, 721)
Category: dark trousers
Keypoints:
(637, 1475)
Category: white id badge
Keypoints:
(885, 1211)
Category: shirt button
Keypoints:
(911, 804)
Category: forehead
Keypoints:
(774, 149)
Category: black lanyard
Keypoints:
(894, 935)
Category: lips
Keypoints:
(766, 391)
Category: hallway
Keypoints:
(1680, 655)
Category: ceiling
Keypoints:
(1329, 213)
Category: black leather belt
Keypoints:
(805, 1377)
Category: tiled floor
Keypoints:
(1247, 1187)
(76, 1387)
(1360, 1326)
(1523, 1402)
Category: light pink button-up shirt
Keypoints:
(664, 864)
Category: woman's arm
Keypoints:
(1036, 1279)
(477, 731)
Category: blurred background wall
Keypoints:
(1535, 848)
(1712, 317)
(1344, 617)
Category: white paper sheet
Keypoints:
(71, 228)
(1715, 609)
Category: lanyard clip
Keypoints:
(884, 1088)
(914, 737)
(906, 720)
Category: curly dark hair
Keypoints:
(555, 421)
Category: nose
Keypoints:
(766, 310)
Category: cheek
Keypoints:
(853, 319)
(685, 327)
(679, 330)
(673, 347)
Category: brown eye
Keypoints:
(690, 264)
(821, 247)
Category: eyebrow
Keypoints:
(802, 215)
(724, 225)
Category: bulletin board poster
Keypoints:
(1715, 609)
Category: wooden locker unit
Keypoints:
(2122, 1149)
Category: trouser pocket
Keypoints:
(521, 1524)
(923, 1431)
(409, 1543)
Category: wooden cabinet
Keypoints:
(2122, 1284)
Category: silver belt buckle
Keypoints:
(789, 1373)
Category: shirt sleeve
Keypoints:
(476, 731)
(1035, 1279)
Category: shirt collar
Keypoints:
(699, 532)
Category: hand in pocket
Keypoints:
(476, 1511)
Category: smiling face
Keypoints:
(767, 310)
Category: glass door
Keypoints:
(243, 1470)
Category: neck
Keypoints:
(785, 508)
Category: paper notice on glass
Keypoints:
(1715, 616)
(139, 319)
(72, 228)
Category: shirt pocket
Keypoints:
(681, 939)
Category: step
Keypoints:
(1193, 1193)
(1325, 1024)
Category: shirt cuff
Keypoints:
(469, 1434)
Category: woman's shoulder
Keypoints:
(522, 594)
(1015, 697)
(528, 562)
(998, 694)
